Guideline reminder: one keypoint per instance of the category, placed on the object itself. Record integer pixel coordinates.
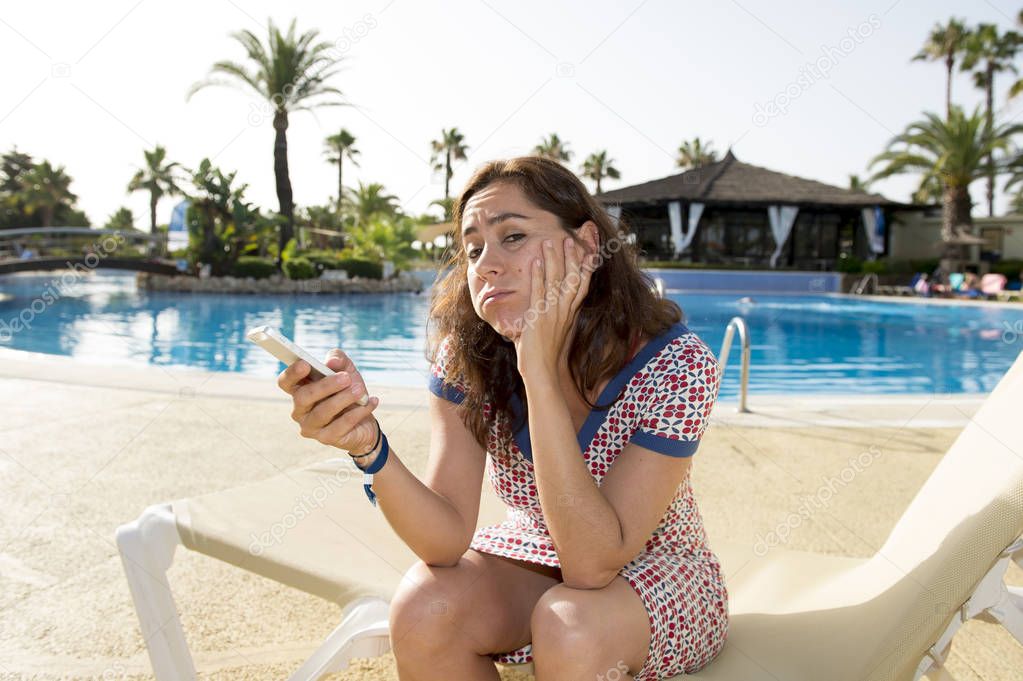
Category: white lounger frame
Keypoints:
(147, 548)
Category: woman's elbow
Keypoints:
(587, 577)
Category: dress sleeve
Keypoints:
(442, 385)
(675, 417)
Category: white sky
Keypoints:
(90, 85)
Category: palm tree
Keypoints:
(122, 220)
(451, 147)
(45, 189)
(598, 166)
(554, 148)
(339, 147)
(989, 53)
(945, 43)
(158, 178)
(951, 151)
(214, 216)
(858, 184)
(370, 200)
(694, 154)
(290, 71)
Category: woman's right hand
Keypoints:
(326, 409)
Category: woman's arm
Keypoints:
(595, 530)
(436, 517)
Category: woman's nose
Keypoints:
(488, 262)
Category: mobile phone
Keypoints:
(278, 345)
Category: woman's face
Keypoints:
(502, 233)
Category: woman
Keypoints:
(552, 355)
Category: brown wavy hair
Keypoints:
(619, 307)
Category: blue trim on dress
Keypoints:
(613, 388)
(664, 445)
(445, 390)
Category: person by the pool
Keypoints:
(552, 355)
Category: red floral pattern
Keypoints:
(677, 576)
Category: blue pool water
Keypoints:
(801, 343)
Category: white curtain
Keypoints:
(873, 225)
(781, 218)
(681, 239)
(675, 220)
(695, 211)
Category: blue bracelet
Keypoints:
(378, 463)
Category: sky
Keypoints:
(813, 89)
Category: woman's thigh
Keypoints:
(488, 600)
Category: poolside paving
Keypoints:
(85, 448)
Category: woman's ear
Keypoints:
(589, 234)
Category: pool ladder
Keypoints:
(726, 347)
(861, 286)
(737, 323)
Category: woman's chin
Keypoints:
(509, 329)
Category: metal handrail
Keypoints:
(726, 346)
(861, 286)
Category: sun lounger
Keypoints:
(794, 616)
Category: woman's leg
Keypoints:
(601, 634)
(447, 621)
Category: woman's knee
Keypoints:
(421, 611)
(569, 622)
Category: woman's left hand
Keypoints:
(559, 282)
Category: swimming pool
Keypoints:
(800, 343)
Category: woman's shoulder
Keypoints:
(442, 382)
(676, 353)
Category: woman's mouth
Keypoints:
(496, 295)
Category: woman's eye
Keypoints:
(474, 253)
(515, 237)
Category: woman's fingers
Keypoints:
(328, 408)
(306, 397)
(342, 426)
(289, 379)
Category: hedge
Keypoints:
(252, 266)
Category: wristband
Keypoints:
(378, 463)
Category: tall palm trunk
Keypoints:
(949, 63)
(152, 212)
(284, 195)
(598, 183)
(447, 175)
(955, 211)
(990, 124)
(340, 184)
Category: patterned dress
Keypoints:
(666, 394)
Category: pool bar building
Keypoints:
(734, 213)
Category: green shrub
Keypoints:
(849, 264)
(1010, 268)
(324, 260)
(251, 266)
(290, 251)
(874, 267)
(357, 267)
(298, 267)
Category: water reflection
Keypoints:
(804, 344)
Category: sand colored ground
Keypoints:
(84, 449)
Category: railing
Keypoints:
(726, 347)
(861, 285)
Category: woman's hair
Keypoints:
(619, 307)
